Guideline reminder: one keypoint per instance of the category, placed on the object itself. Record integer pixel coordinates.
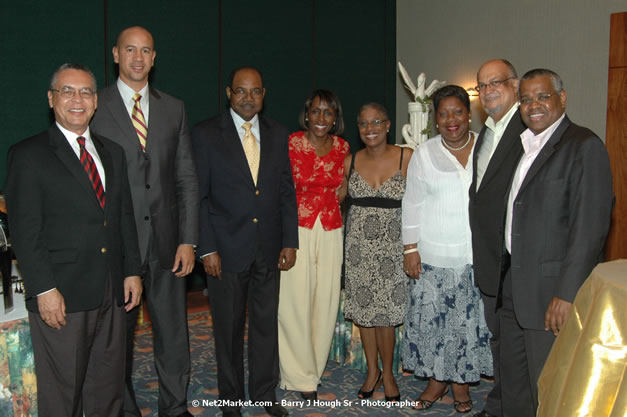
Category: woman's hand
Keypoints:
(412, 265)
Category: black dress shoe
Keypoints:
(483, 413)
(232, 413)
(276, 410)
(185, 414)
(309, 396)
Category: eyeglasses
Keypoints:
(375, 123)
(241, 92)
(540, 98)
(493, 84)
(70, 92)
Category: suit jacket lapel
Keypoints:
(507, 142)
(547, 150)
(266, 149)
(158, 116)
(66, 155)
(116, 106)
(233, 145)
(475, 155)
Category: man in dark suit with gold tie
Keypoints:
(73, 233)
(248, 232)
(151, 126)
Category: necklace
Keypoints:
(461, 147)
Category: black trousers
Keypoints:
(257, 287)
(80, 367)
(166, 298)
(523, 353)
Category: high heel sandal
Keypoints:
(367, 394)
(426, 404)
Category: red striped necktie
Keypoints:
(92, 172)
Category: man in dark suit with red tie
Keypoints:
(248, 232)
(73, 232)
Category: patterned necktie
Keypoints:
(92, 172)
(251, 149)
(139, 121)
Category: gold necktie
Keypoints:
(139, 121)
(251, 149)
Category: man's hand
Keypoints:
(556, 315)
(132, 292)
(213, 265)
(52, 308)
(184, 260)
(287, 258)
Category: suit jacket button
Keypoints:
(147, 186)
(146, 218)
(257, 192)
(255, 220)
(103, 250)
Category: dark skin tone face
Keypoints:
(247, 93)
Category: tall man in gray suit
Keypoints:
(151, 126)
(557, 219)
(496, 153)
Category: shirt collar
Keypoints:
(71, 136)
(492, 125)
(127, 92)
(532, 143)
(237, 119)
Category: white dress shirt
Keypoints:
(238, 121)
(435, 206)
(491, 139)
(89, 146)
(127, 94)
(532, 145)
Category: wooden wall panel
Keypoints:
(616, 134)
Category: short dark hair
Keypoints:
(372, 105)
(333, 101)
(450, 91)
(74, 66)
(543, 72)
(238, 69)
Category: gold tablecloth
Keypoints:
(584, 375)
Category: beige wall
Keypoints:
(449, 39)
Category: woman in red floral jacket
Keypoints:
(310, 291)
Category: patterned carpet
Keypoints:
(337, 395)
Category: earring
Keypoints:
(469, 120)
(436, 126)
(333, 123)
(306, 119)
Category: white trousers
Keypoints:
(308, 303)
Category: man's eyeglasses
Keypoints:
(540, 98)
(493, 84)
(375, 123)
(241, 92)
(70, 92)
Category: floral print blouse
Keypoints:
(317, 179)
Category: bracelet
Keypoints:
(408, 251)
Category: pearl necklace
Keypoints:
(461, 147)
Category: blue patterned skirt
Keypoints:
(445, 335)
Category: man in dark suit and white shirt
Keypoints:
(495, 157)
(151, 126)
(73, 232)
(557, 219)
(248, 232)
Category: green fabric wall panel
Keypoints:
(274, 36)
(36, 37)
(186, 41)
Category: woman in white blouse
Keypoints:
(445, 337)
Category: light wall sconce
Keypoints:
(472, 93)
